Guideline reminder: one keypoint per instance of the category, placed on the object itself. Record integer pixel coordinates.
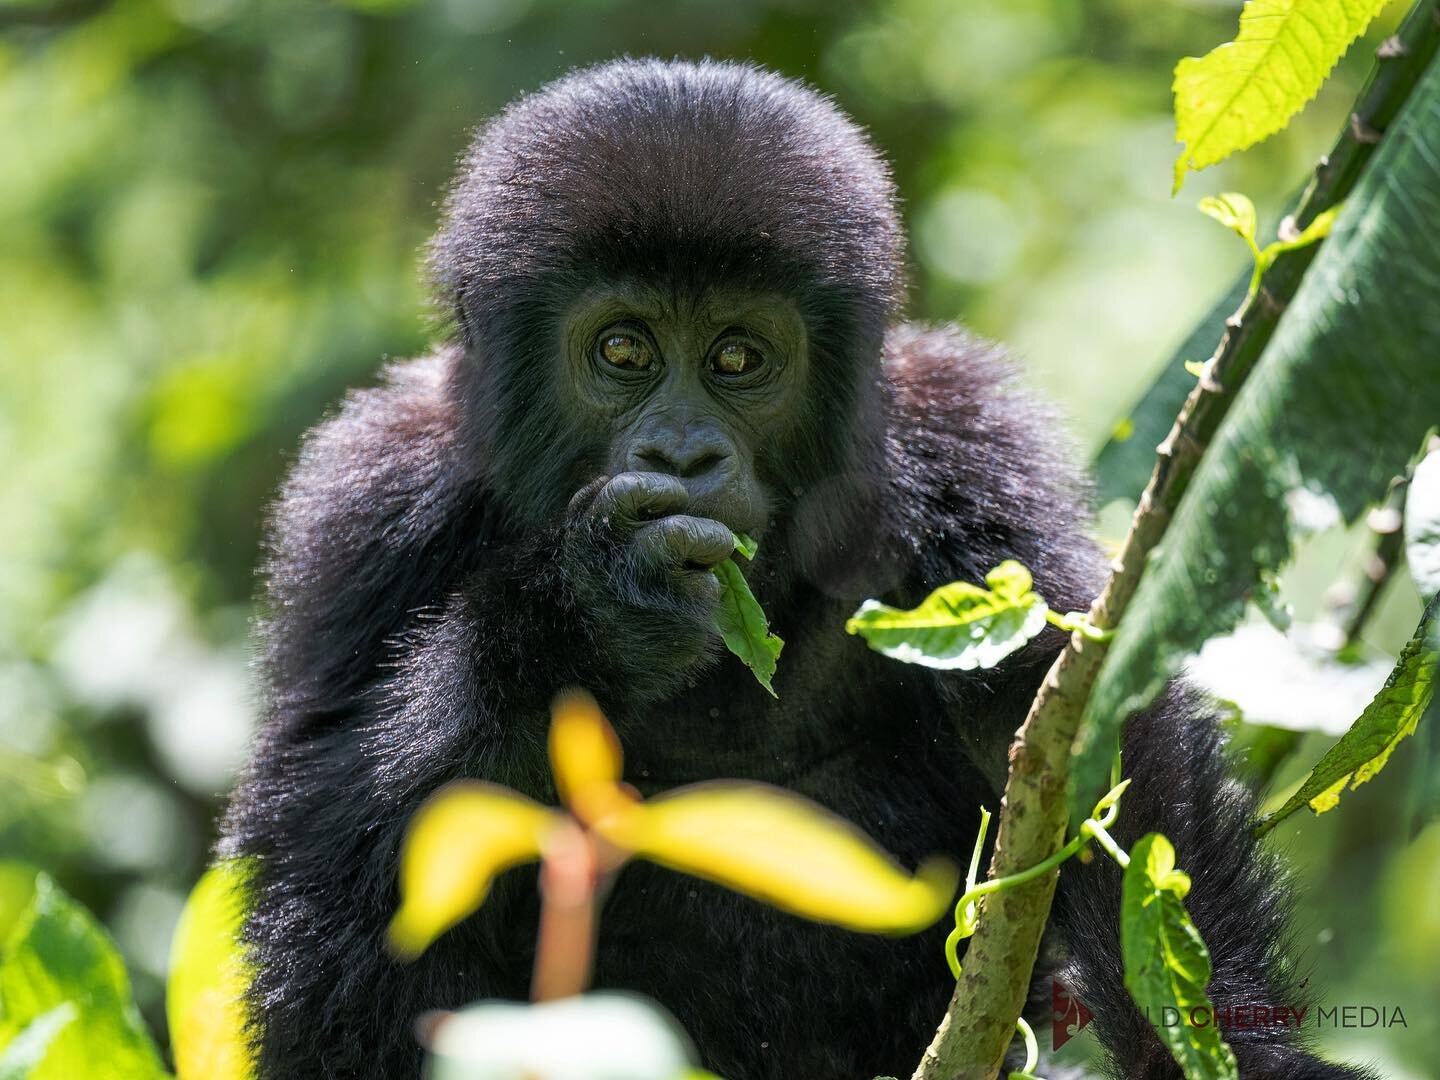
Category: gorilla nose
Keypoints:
(705, 461)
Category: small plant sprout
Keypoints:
(1237, 213)
(755, 839)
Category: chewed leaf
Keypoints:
(745, 546)
(205, 993)
(584, 756)
(743, 625)
(1248, 89)
(788, 852)
(958, 625)
(458, 841)
(1392, 716)
(1166, 962)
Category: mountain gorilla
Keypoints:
(674, 289)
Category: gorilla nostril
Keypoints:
(705, 463)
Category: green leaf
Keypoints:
(958, 625)
(1422, 525)
(1233, 210)
(1166, 961)
(1248, 89)
(26, 1050)
(1363, 750)
(1334, 409)
(1124, 464)
(204, 995)
(742, 621)
(58, 956)
(745, 546)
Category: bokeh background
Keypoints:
(211, 216)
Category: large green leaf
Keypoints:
(1335, 408)
(1167, 965)
(1248, 89)
(65, 997)
(958, 625)
(1124, 464)
(1392, 716)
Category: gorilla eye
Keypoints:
(625, 351)
(734, 358)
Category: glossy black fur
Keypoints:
(420, 618)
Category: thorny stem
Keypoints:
(972, 1038)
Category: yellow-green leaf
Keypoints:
(458, 841)
(585, 757)
(958, 625)
(786, 851)
(1392, 716)
(1233, 210)
(1248, 89)
(205, 993)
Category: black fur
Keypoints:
(422, 613)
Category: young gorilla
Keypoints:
(674, 288)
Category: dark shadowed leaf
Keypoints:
(1336, 408)
(1123, 466)
(1166, 962)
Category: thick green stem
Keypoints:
(972, 1037)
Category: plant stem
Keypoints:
(972, 1037)
(565, 947)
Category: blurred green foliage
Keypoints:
(211, 219)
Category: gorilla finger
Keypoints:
(582, 499)
(695, 542)
(633, 497)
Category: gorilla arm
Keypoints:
(410, 641)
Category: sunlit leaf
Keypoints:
(958, 625)
(204, 996)
(1422, 526)
(1335, 408)
(780, 848)
(1248, 89)
(743, 625)
(458, 841)
(1363, 750)
(1233, 210)
(57, 956)
(585, 757)
(1166, 961)
(745, 545)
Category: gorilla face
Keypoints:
(692, 386)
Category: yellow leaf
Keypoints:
(458, 841)
(585, 757)
(786, 851)
(205, 994)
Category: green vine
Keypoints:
(967, 908)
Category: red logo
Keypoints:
(1070, 1014)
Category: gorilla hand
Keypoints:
(640, 569)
